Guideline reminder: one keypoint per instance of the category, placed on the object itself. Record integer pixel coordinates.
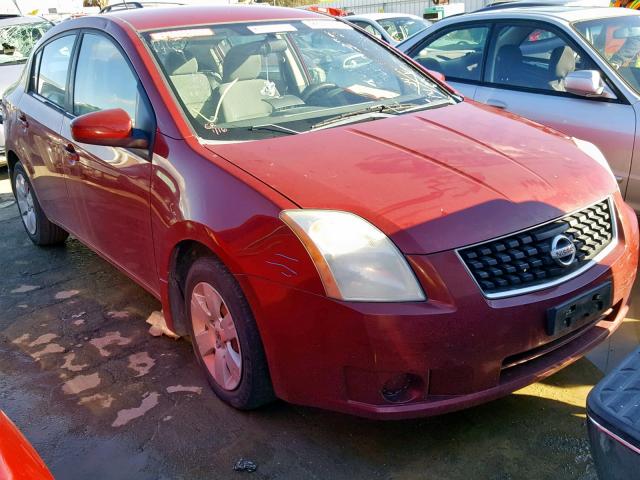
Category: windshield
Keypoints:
(401, 28)
(250, 81)
(617, 39)
(16, 41)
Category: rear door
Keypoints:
(40, 115)
(109, 186)
(457, 52)
(526, 66)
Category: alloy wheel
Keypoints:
(215, 336)
(26, 206)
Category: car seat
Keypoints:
(509, 64)
(193, 87)
(561, 63)
(242, 92)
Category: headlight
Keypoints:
(595, 153)
(355, 260)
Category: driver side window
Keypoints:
(457, 54)
(104, 80)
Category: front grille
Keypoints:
(523, 260)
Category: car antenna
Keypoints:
(15, 2)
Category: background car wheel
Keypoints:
(40, 230)
(225, 337)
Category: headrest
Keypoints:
(242, 62)
(510, 54)
(202, 52)
(177, 64)
(562, 61)
(273, 46)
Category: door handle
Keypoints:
(497, 103)
(22, 118)
(71, 155)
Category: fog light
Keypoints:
(402, 388)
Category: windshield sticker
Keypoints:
(326, 24)
(180, 34)
(376, 93)
(279, 27)
(215, 129)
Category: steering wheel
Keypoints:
(314, 89)
(354, 61)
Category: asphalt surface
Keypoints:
(100, 398)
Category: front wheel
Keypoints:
(40, 230)
(225, 337)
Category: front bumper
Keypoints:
(459, 348)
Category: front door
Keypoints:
(458, 53)
(110, 187)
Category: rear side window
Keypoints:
(457, 54)
(104, 80)
(533, 57)
(54, 67)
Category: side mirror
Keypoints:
(111, 128)
(587, 83)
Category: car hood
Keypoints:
(432, 180)
(8, 75)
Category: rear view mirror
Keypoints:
(111, 128)
(587, 83)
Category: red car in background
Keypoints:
(328, 223)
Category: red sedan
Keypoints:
(327, 222)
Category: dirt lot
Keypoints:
(101, 398)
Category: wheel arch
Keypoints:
(12, 159)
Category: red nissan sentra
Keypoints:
(329, 224)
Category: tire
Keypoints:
(212, 298)
(38, 227)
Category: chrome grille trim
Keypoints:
(557, 280)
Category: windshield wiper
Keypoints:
(363, 111)
(410, 107)
(14, 62)
(386, 109)
(274, 128)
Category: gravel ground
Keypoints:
(101, 398)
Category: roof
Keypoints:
(166, 17)
(566, 13)
(380, 16)
(5, 22)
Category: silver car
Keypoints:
(18, 35)
(574, 69)
(390, 27)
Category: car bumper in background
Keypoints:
(613, 413)
(458, 349)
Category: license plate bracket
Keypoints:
(579, 311)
